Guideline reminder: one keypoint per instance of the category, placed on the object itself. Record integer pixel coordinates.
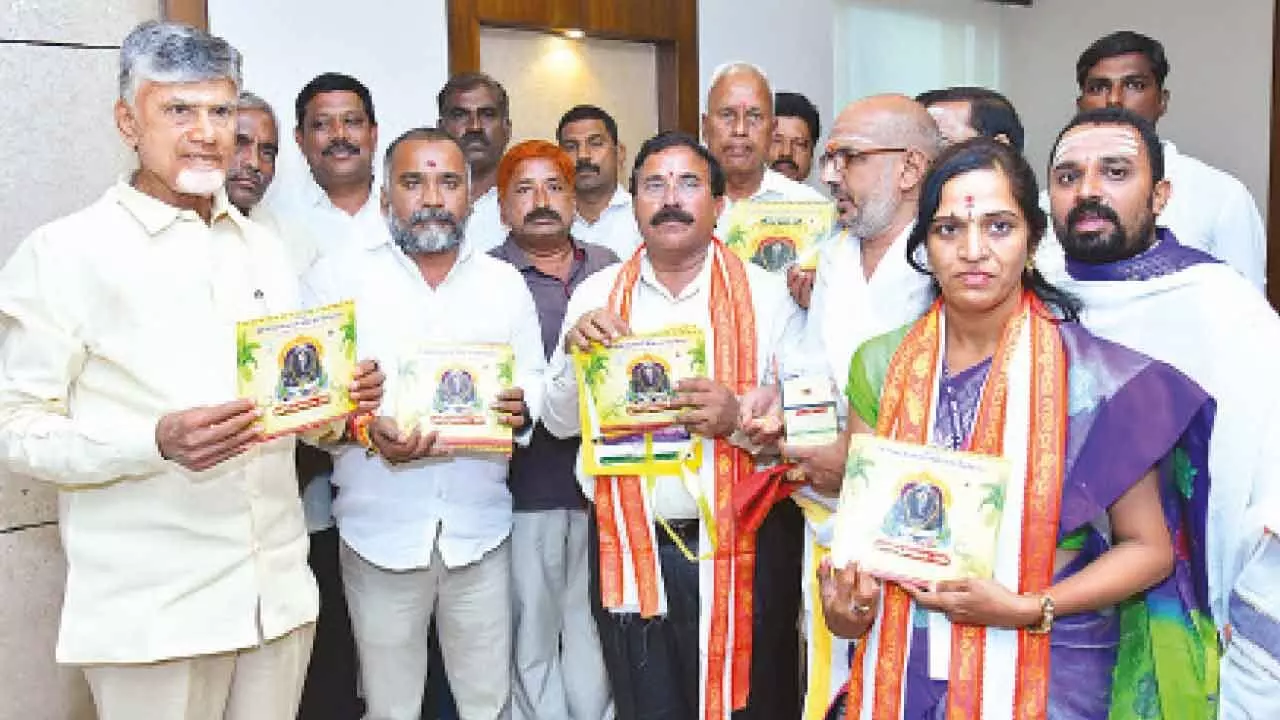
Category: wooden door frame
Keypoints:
(671, 25)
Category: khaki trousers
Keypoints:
(261, 683)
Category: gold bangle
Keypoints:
(1046, 617)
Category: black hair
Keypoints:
(673, 139)
(789, 104)
(468, 81)
(982, 153)
(333, 82)
(1123, 42)
(588, 112)
(1127, 118)
(990, 113)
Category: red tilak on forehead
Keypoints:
(968, 201)
(431, 163)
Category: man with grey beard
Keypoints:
(875, 163)
(424, 529)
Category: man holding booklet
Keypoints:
(185, 542)
(423, 511)
(674, 572)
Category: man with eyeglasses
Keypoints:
(686, 634)
(875, 162)
(474, 109)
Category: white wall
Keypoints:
(546, 74)
(1220, 78)
(397, 48)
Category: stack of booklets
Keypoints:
(296, 367)
(919, 514)
(777, 235)
(448, 389)
(627, 403)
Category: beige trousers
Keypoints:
(390, 614)
(261, 683)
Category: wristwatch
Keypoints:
(1046, 617)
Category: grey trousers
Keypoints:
(558, 670)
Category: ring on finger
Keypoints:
(861, 609)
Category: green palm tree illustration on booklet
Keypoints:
(506, 371)
(737, 238)
(857, 466)
(698, 357)
(349, 335)
(994, 498)
(246, 359)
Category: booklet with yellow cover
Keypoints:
(626, 397)
(777, 235)
(919, 514)
(297, 367)
(448, 389)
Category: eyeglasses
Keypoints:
(841, 158)
(686, 186)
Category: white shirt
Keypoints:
(1207, 209)
(393, 515)
(485, 229)
(109, 319)
(615, 228)
(654, 308)
(312, 226)
(774, 186)
(846, 309)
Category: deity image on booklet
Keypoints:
(627, 402)
(297, 367)
(448, 389)
(919, 514)
(777, 235)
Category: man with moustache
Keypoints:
(1144, 289)
(875, 163)
(604, 215)
(1207, 208)
(674, 638)
(797, 130)
(253, 166)
(425, 529)
(558, 670)
(474, 109)
(964, 112)
(187, 594)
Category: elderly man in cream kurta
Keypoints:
(188, 593)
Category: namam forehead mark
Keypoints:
(848, 140)
(1087, 143)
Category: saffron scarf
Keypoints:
(629, 570)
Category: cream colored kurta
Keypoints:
(110, 318)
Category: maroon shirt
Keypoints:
(542, 475)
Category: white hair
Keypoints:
(738, 66)
(249, 101)
(169, 52)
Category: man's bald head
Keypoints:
(738, 125)
(876, 160)
(889, 121)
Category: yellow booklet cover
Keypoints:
(297, 367)
(919, 514)
(777, 235)
(449, 388)
(626, 403)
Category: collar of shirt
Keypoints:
(155, 215)
(773, 183)
(621, 199)
(315, 196)
(650, 278)
(514, 254)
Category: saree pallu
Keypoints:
(1156, 655)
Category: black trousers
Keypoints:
(653, 664)
(330, 689)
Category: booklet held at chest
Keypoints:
(627, 402)
(448, 389)
(296, 367)
(777, 235)
(919, 514)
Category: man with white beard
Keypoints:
(875, 161)
(425, 530)
(188, 593)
